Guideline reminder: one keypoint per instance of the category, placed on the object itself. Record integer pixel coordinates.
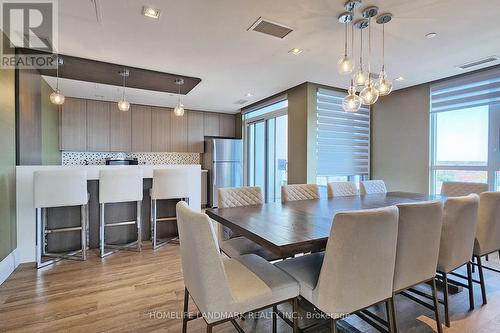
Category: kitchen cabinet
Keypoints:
(226, 125)
(120, 129)
(160, 129)
(178, 133)
(73, 125)
(141, 128)
(211, 124)
(195, 132)
(204, 188)
(97, 126)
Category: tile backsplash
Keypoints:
(98, 158)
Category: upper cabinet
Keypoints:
(179, 133)
(98, 126)
(161, 119)
(211, 124)
(141, 128)
(226, 125)
(120, 129)
(73, 122)
(195, 131)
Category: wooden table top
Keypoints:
(301, 226)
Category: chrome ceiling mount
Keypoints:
(179, 82)
(124, 73)
(384, 18)
(351, 5)
(345, 17)
(369, 11)
(361, 23)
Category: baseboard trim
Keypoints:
(8, 265)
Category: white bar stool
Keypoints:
(167, 184)
(59, 189)
(115, 186)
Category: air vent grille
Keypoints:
(241, 101)
(478, 62)
(270, 28)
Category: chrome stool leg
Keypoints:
(156, 242)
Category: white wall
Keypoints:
(400, 140)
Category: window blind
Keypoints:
(482, 88)
(343, 138)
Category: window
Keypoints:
(465, 129)
(342, 141)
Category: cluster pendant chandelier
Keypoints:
(123, 104)
(56, 97)
(362, 77)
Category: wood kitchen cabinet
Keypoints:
(97, 125)
(160, 129)
(211, 124)
(195, 132)
(120, 129)
(141, 128)
(73, 125)
(226, 125)
(179, 133)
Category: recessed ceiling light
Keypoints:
(431, 35)
(151, 12)
(400, 78)
(249, 95)
(295, 51)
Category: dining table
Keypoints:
(301, 226)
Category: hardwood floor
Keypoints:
(132, 292)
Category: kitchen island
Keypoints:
(66, 216)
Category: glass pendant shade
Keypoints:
(179, 110)
(57, 98)
(123, 105)
(360, 77)
(369, 95)
(351, 102)
(383, 84)
(345, 65)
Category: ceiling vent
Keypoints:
(241, 101)
(270, 28)
(478, 62)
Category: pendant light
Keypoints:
(123, 104)
(369, 95)
(351, 102)
(56, 97)
(179, 109)
(383, 84)
(345, 65)
(360, 78)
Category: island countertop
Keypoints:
(25, 209)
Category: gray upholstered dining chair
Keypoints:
(419, 234)
(372, 187)
(222, 288)
(487, 233)
(457, 243)
(341, 189)
(357, 268)
(230, 242)
(459, 189)
(298, 192)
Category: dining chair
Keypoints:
(372, 187)
(232, 243)
(459, 189)
(419, 234)
(341, 189)
(456, 246)
(357, 268)
(298, 192)
(223, 288)
(487, 233)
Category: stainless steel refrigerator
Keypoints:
(223, 159)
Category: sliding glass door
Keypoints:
(266, 140)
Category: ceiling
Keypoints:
(209, 40)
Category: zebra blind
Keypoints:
(343, 138)
(482, 88)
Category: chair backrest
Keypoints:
(360, 255)
(298, 192)
(459, 189)
(459, 231)
(341, 189)
(419, 234)
(488, 224)
(120, 185)
(202, 267)
(170, 184)
(372, 187)
(57, 188)
(240, 196)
